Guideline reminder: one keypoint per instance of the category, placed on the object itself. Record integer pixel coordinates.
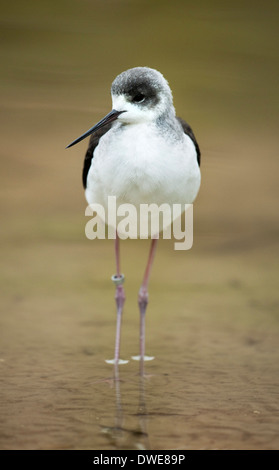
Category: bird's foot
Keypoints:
(145, 358)
(115, 361)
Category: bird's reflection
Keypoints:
(119, 435)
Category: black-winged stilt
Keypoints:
(140, 153)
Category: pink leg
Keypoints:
(143, 300)
(118, 280)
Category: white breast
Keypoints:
(138, 165)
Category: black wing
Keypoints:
(93, 142)
(187, 130)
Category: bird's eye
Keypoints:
(139, 98)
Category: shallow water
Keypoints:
(214, 335)
(212, 320)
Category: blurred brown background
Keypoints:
(212, 322)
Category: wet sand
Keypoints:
(212, 320)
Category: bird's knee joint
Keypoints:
(120, 296)
(143, 297)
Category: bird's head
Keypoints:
(140, 94)
(143, 94)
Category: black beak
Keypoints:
(110, 117)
